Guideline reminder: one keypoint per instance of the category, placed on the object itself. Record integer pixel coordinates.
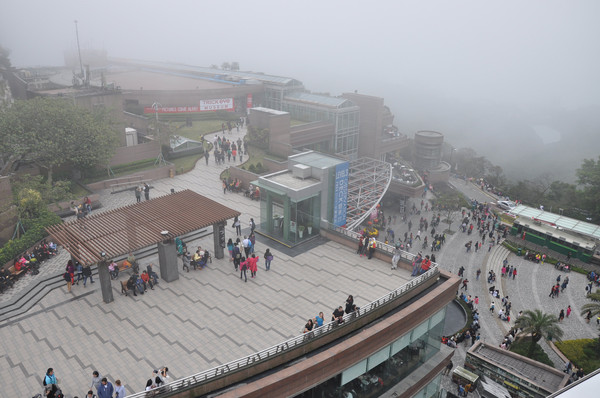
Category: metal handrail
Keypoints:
(297, 341)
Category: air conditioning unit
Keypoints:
(301, 171)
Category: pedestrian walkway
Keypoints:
(205, 318)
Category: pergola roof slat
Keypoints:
(120, 231)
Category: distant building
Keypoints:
(522, 376)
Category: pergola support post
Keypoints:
(219, 239)
(167, 259)
(105, 282)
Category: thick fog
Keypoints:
(518, 75)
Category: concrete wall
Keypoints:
(128, 154)
(244, 175)
(8, 221)
(152, 174)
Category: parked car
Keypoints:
(506, 204)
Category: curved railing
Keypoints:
(246, 362)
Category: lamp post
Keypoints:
(78, 48)
(160, 158)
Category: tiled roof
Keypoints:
(119, 231)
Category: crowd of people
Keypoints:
(102, 386)
(337, 315)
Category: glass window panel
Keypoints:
(420, 330)
(437, 318)
(354, 371)
(378, 357)
(400, 343)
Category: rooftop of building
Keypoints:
(318, 99)
(557, 222)
(233, 75)
(157, 80)
(542, 375)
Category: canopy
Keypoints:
(126, 229)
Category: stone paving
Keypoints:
(209, 317)
(206, 318)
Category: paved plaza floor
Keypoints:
(204, 319)
(210, 316)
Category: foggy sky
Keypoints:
(520, 52)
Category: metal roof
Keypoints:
(120, 231)
(556, 220)
(333, 102)
(279, 80)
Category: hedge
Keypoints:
(583, 353)
(34, 232)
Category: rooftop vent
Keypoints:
(301, 171)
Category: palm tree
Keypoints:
(538, 324)
(594, 306)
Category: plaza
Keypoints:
(209, 317)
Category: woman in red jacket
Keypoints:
(252, 264)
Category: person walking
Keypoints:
(372, 246)
(568, 311)
(96, 380)
(138, 194)
(253, 265)
(238, 226)
(561, 316)
(87, 273)
(268, 259)
(106, 389)
(119, 389)
(146, 191)
(243, 268)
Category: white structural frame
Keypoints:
(368, 181)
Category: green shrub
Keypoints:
(34, 232)
(521, 347)
(583, 353)
(252, 168)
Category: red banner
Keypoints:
(222, 104)
(249, 101)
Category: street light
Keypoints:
(160, 158)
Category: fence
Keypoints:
(187, 383)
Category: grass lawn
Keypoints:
(583, 353)
(256, 155)
(200, 128)
(185, 163)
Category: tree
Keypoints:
(449, 204)
(537, 324)
(4, 58)
(588, 176)
(225, 66)
(235, 65)
(53, 132)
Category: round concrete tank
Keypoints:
(428, 149)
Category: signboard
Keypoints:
(172, 109)
(249, 101)
(340, 199)
(222, 104)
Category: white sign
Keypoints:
(225, 104)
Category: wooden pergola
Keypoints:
(133, 227)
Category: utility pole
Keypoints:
(79, 49)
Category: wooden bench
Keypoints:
(14, 273)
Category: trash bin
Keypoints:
(519, 251)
